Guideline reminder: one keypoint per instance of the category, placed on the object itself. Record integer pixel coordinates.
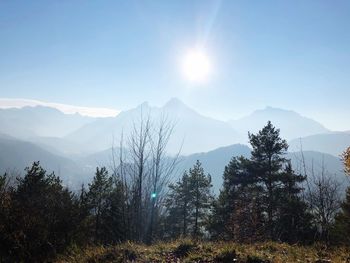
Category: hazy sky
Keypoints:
(117, 54)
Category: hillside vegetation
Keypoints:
(190, 251)
(133, 211)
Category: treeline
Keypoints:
(262, 198)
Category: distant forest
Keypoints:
(262, 198)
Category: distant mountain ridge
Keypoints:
(192, 131)
(292, 124)
(28, 122)
(332, 143)
(214, 162)
(15, 155)
(73, 134)
(73, 145)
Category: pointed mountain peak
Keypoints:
(175, 103)
(274, 109)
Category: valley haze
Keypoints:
(73, 144)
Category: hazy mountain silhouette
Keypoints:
(192, 130)
(43, 126)
(64, 134)
(15, 155)
(29, 122)
(291, 124)
(59, 146)
(333, 143)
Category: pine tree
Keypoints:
(188, 203)
(201, 201)
(267, 162)
(236, 213)
(224, 206)
(179, 206)
(260, 198)
(5, 206)
(341, 229)
(112, 225)
(98, 195)
(42, 213)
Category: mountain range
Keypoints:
(16, 154)
(331, 143)
(28, 122)
(291, 124)
(72, 145)
(193, 132)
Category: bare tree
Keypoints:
(7, 181)
(162, 166)
(5, 184)
(144, 167)
(120, 176)
(139, 140)
(322, 193)
(324, 199)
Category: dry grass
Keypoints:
(201, 252)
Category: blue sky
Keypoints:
(117, 54)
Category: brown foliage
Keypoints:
(346, 160)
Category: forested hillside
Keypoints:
(262, 199)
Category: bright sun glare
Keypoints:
(196, 66)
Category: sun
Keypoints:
(196, 66)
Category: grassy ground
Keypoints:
(189, 251)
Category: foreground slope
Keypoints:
(209, 252)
